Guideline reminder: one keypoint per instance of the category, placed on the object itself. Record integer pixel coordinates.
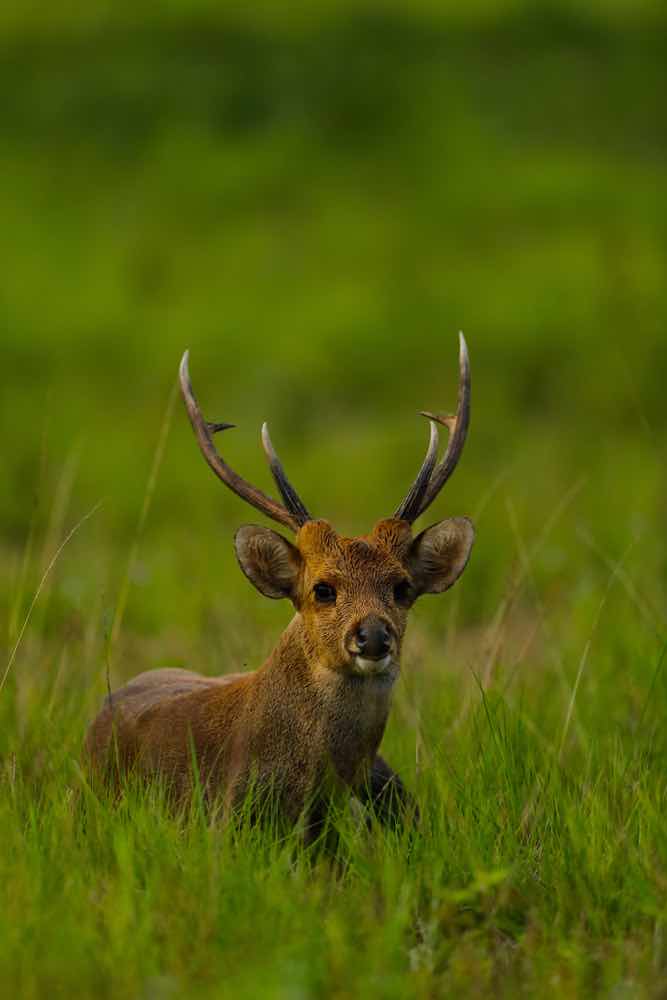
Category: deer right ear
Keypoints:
(270, 562)
(439, 555)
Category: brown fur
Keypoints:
(308, 723)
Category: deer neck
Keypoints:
(342, 715)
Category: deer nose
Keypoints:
(373, 638)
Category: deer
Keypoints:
(306, 726)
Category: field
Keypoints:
(315, 203)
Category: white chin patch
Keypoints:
(373, 666)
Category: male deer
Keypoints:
(308, 723)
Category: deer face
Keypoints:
(353, 594)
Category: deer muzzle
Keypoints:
(372, 645)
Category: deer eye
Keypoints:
(403, 593)
(324, 593)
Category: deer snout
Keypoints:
(373, 638)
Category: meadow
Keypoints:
(314, 202)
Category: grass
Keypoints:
(315, 205)
(535, 745)
(528, 868)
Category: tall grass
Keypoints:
(535, 746)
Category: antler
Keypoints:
(293, 514)
(431, 478)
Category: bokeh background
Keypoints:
(315, 199)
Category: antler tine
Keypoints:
(203, 432)
(431, 478)
(410, 507)
(292, 500)
(458, 428)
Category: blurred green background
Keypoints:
(315, 200)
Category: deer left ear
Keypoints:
(269, 561)
(439, 554)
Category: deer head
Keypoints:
(351, 595)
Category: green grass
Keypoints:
(314, 205)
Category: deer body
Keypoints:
(273, 728)
(307, 725)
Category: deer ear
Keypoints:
(269, 561)
(439, 554)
